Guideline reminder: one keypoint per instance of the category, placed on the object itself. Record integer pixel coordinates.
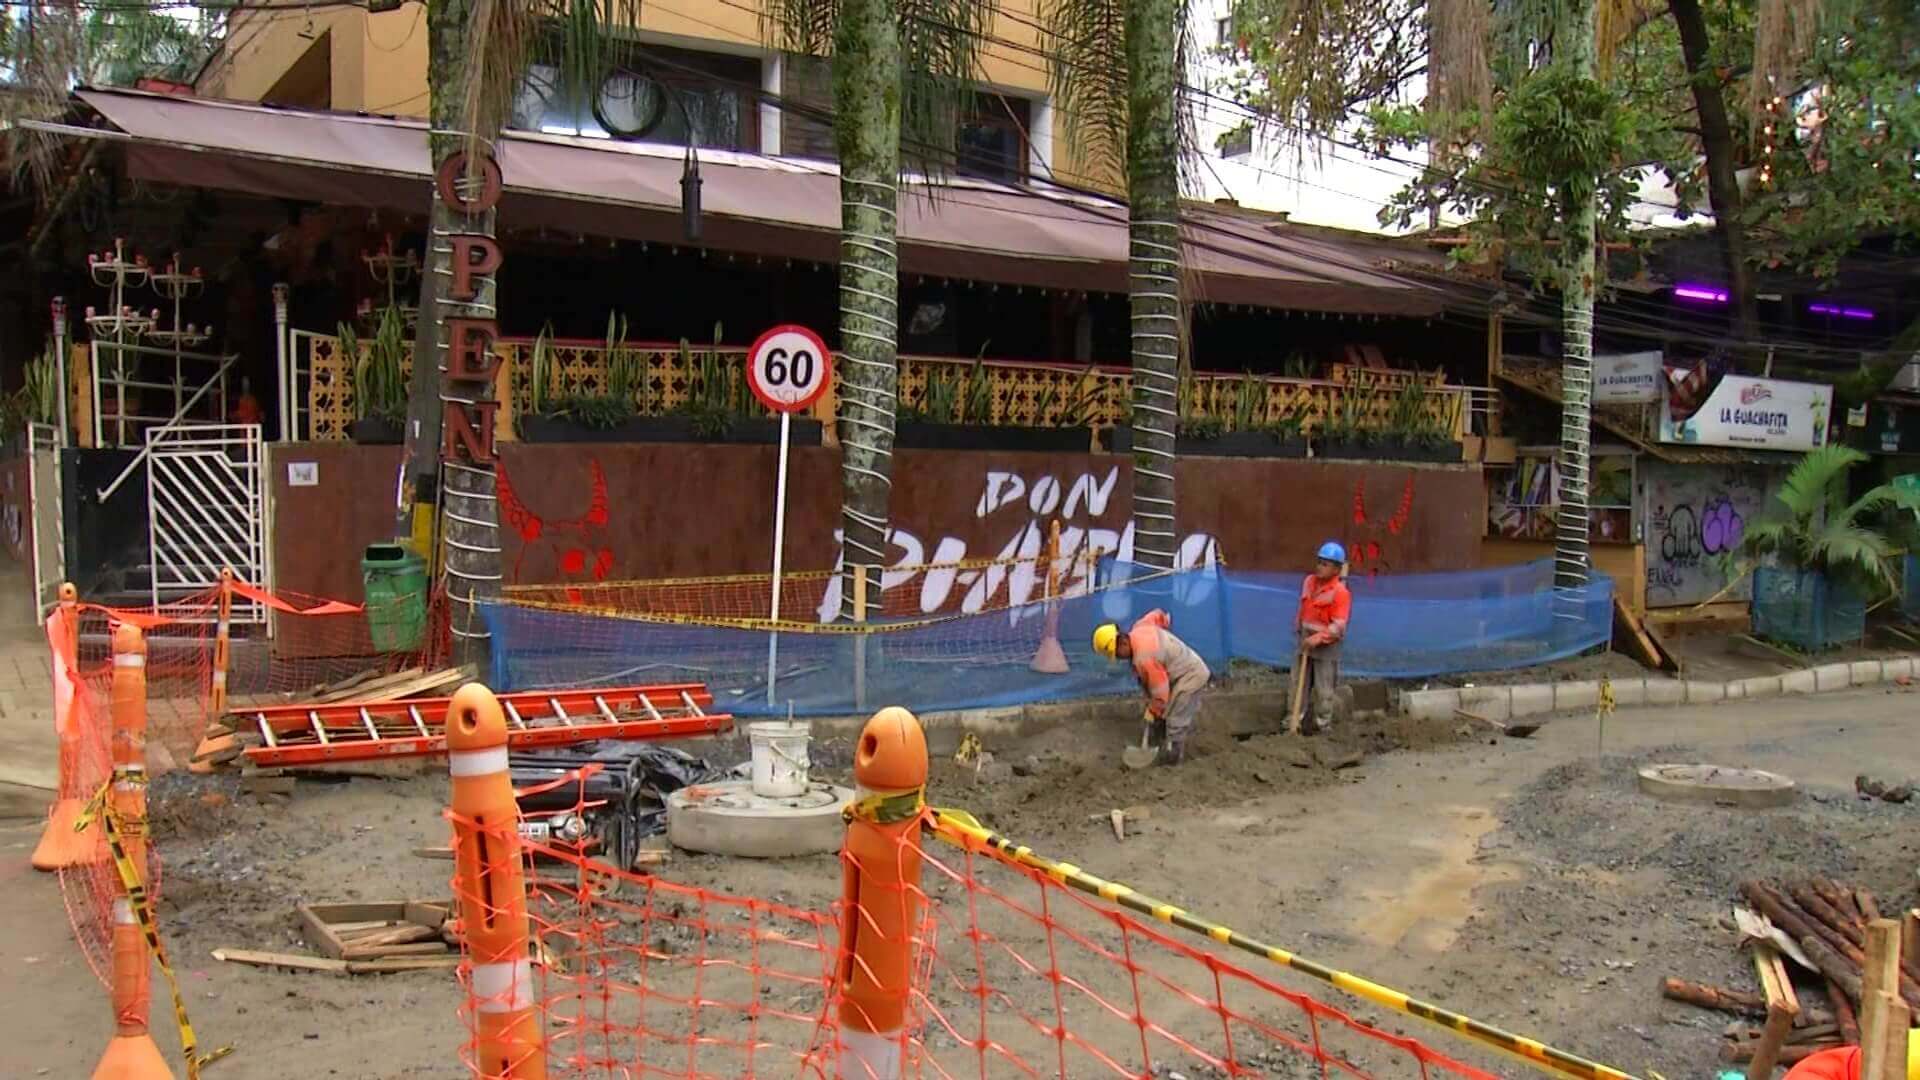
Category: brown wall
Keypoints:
(1626, 564)
(664, 510)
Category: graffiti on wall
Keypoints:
(1370, 542)
(577, 546)
(1022, 504)
(1696, 515)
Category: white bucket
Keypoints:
(780, 759)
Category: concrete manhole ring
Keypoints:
(1719, 784)
(727, 818)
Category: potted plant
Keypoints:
(1246, 433)
(36, 402)
(1414, 433)
(1816, 558)
(378, 380)
(956, 413)
(609, 415)
(1343, 431)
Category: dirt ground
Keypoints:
(1525, 883)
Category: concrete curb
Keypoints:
(1534, 699)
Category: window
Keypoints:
(1223, 31)
(990, 140)
(1523, 499)
(1236, 142)
(651, 96)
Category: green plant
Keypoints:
(1810, 525)
(1285, 429)
(1249, 399)
(976, 397)
(1201, 428)
(940, 401)
(1088, 396)
(1297, 365)
(376, 374)
(717, 394)
(540, 372)
(40, 395)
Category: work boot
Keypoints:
(1172, 752)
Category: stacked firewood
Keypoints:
(1819, 930)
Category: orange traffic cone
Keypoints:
(132, 1054)
(60, 846)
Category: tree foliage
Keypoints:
(1809, 524)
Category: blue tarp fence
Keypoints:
(1404, 626)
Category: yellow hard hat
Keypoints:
(1106, 640)
(1913, 1054)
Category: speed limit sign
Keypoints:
(789, 368)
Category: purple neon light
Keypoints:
(1700, 292)
(1843, 312)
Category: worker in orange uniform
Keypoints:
(1843, 1062)
(1325, 608)
(1171, 674)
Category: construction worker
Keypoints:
(1325, 607)
(1170, 672)
(1843, 1062)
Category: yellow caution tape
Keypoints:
(1606, 696)
(887, 807)
(101, 807)
(961, 829)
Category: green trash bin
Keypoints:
(396, 583)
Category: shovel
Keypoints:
(1514, 731)
(1139, 757)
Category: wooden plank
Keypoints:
(1631, 637)
(274, 959)
(354, 691)
(1884, 1018)
(1767, 1052)
(399, 964)
(431, 913)
(1775, 980)
(319, 934)
(433, 852)
(363, 912)
(1910, 935)
(382, 952)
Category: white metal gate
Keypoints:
(49, 517)
(206, 509)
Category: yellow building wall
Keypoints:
(1626, 564)
(379, 62)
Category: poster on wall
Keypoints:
(1695, 515)
(1623, 378)
(1765, 414)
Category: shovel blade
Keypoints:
(1138, 757)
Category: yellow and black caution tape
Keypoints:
(887, 807)
(101, 806)
(959, 828)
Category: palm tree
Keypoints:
(478, 51)
(900, 69)
(1810, 526)
(1118, 67)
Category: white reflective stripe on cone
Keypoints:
(477, 762)
(123, 912)
(505, 987)
(220, 678)
(129, 659)
(869, 1056)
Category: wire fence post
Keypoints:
(882, 900)
(491, 890)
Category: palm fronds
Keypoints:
(1809, 524)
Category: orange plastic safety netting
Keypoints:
(292, 645)
(1008, 972)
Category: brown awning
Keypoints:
(752, 204)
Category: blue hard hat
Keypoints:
(1333, 552)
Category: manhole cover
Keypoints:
(1716, 784)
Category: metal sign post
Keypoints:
(788, 369)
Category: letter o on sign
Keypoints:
(788, 368)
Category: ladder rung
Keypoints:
(319, 729)
(647, 703)
(366, 719)
(513, 714)
(606, 710)
(687, 699)
(419, 725)
(266, 729)
(560, 711)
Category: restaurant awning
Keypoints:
(752, 204)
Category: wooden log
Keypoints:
(1772, 1040)
(1834, 966)
(1843, 1016)
(1869, 907)
(1840, 899)
(1816, 905)
(1827, 1032)
(1718, 998)
(1787, 915)
(1909, 986)
(1737, 1053)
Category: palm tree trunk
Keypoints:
(1153, 196)
(470, 535)
(866, 92)
(1571, 558)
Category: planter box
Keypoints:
(1237, 444)
(1804, 609)
(1389, 450)
(914, 435)
(665, 429)
(376, 432)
